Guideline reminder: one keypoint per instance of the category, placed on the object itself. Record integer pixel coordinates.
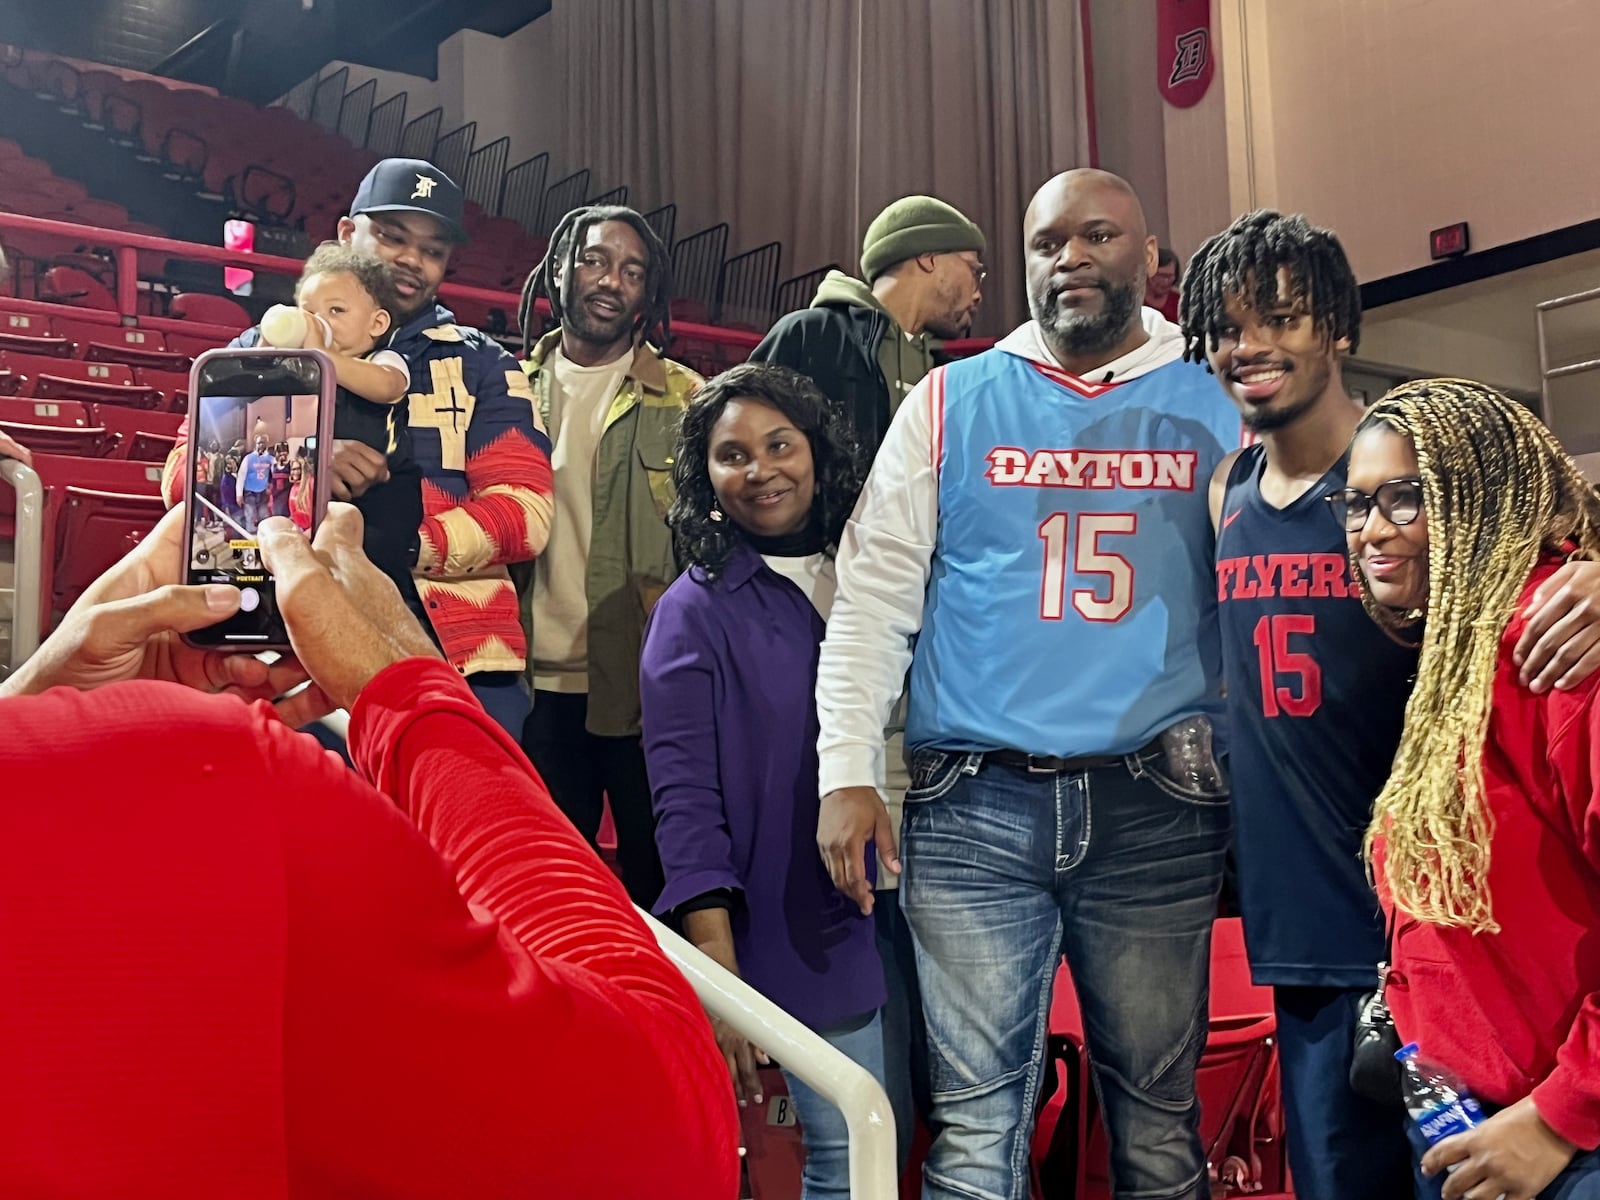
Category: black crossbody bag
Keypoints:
(1374, 1073)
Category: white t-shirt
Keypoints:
(812, 574)
(580, 397)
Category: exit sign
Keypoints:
(1449, 242)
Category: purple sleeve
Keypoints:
(677, 688)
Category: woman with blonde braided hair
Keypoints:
(1486, 840)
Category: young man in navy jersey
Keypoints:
(1316, 690)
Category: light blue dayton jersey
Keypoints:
(1072, 602)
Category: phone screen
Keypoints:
(257, 435)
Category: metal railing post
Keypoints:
(1547, 373)
(27, 559)
(843, 1083)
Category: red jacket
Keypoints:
(230, 967)
(1518, 1012)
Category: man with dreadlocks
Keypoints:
(1032, 543)
(1315, 691)
(612, 402)
(1459, 512)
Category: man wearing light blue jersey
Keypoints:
(1034, 542)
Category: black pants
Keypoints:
(581, 769)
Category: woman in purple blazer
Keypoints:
(766, 472)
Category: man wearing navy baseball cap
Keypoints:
(486, 486)
(408, 213)
(412, 185)
(485, 462)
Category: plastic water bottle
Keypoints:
(1438, 1102)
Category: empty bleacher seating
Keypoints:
(97, 391)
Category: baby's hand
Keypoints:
(319, 335)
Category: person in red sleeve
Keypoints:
(1460, 507)
(415, 982)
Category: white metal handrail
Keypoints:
(27, 559)
(843, 1083)
(1547, 373)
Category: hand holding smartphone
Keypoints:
(260, 435)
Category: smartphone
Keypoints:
(260, 433)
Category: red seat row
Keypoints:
(65, 337)
(95, 511)
(30, 186)
(88, 430)
(41, 378)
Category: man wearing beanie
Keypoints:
(867, 344)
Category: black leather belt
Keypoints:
(1045, 764)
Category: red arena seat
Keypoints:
(213, 310)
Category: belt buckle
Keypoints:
(1037, 770)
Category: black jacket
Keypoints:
(836, 344)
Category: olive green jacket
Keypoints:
(630, 555)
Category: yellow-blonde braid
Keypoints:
(1498, 490)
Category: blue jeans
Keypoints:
(905, 1035)
(1340, 1144)
(822, 1126)
(1004, 872)
(257, 508)
(1579, 1181)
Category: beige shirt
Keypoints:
(579, 400)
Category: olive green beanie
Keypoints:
(915, 225)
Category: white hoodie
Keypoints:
(885, 557)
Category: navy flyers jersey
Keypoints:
(1316, 700)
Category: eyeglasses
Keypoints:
(1399, 500)
(975, 269)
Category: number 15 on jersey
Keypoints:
(1080, 535)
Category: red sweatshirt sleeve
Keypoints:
(546, 1044)
(1569, 1098)
(232, 967)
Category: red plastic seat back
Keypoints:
(66, 368)
(27, 324)
(774, 1153)
(62, 414)
(38, 347)
(54, 426)
(68, 285)
(212, 310)
(139, 434)
(94, 529)
(129, 395)
(84, 333)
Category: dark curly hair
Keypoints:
(836, 459)
(368, 270)
(1245, 258)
